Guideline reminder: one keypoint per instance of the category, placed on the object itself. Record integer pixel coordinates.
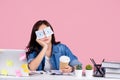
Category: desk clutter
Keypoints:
(98, 69)
(112, 69)
(52, 72)
(107, 69)
(13, 63)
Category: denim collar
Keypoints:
(55, 49)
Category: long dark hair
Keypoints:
(33, 45)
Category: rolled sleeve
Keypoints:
(31, 56)
(74, 62)
(73, 59)
(29, 60)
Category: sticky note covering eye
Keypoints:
(9, 63)
(4, 72)
(25, 68)
(40, 34)
(48, 31)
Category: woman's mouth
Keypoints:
(45, 39)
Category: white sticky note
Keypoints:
(40, 34)
(48, 31)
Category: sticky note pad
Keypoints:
(22, 57)
(25, 68)
(18, 73)
(4, 72)
(9, 63)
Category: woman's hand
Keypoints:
(40, 42)
(67, 69)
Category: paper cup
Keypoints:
(64, 61)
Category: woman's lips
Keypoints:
(45, 39)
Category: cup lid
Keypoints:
(64, 59)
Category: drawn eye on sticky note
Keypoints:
(9, 63)
(48, 31)
(40, 34)
(25, 68)
(22, 56)
(18, 73)
(4, 72)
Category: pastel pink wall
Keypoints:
(91, 28)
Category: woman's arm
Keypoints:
(33, 65)
(73, 59)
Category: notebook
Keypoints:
(13, 62)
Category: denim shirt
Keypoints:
(57, 51)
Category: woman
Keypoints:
(44, 53)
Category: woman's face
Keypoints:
(45, 39)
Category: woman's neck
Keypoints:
(49, 46)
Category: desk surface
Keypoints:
(52, 77)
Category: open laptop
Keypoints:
(13, 62)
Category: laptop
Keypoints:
(13, 62)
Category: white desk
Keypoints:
(52, 77)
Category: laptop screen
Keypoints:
(13, 62)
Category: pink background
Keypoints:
(91, 28)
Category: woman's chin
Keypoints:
(47, 42)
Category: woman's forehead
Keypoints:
(43, 26)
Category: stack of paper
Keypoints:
(112, 69)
